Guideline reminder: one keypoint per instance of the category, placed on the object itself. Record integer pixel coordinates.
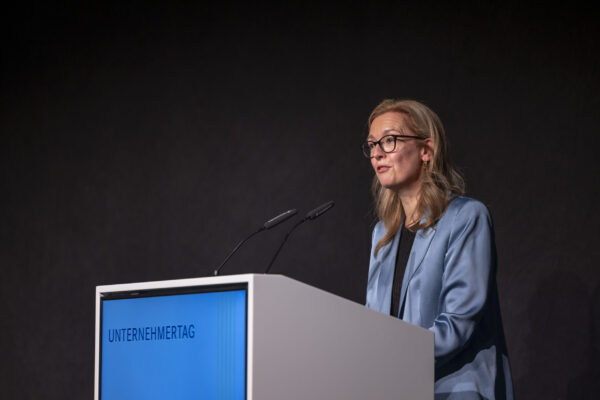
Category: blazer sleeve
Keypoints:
(468, 264)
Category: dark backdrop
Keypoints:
(141, 142)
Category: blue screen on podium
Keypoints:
(175, 346)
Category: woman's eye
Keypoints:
(389, 139)
(371, 145)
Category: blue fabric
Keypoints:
(449, 287)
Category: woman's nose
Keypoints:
(377, 153)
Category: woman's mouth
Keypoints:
(382, 169)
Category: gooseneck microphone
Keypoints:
(267, 225)
(317, 212)
(279, 219)
(313, 214)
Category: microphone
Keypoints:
(267, 225)
(279, 219)
(322, 209)
(311, 215)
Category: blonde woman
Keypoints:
(433, 257)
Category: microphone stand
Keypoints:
(216, 272)
(317, 212)
(267, 225)
(287, 235)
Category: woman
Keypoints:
(433, 257)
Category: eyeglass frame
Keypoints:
(365, 145)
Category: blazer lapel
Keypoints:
(420, 246)
(387, 264)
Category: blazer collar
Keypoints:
(385, 264)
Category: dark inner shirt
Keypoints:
(406, 241)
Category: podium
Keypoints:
(255, 337)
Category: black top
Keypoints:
(406, 241)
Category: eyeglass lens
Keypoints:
(387, 144)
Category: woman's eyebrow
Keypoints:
(394, 130)
(386, 131)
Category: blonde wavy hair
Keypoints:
(440, 181)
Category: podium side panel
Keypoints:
(310, 344)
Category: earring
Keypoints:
(425, 164)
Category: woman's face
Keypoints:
(401, 169)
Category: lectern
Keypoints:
(254, 337)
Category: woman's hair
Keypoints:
(440, 181)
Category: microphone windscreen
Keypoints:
(322, 209)
(279, 219)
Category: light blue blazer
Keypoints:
(449, 287)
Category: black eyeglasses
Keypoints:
(387, 144)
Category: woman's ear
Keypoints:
(427, 150)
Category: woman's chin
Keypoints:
(391, 186)
(400, 187)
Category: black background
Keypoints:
(141, 141)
